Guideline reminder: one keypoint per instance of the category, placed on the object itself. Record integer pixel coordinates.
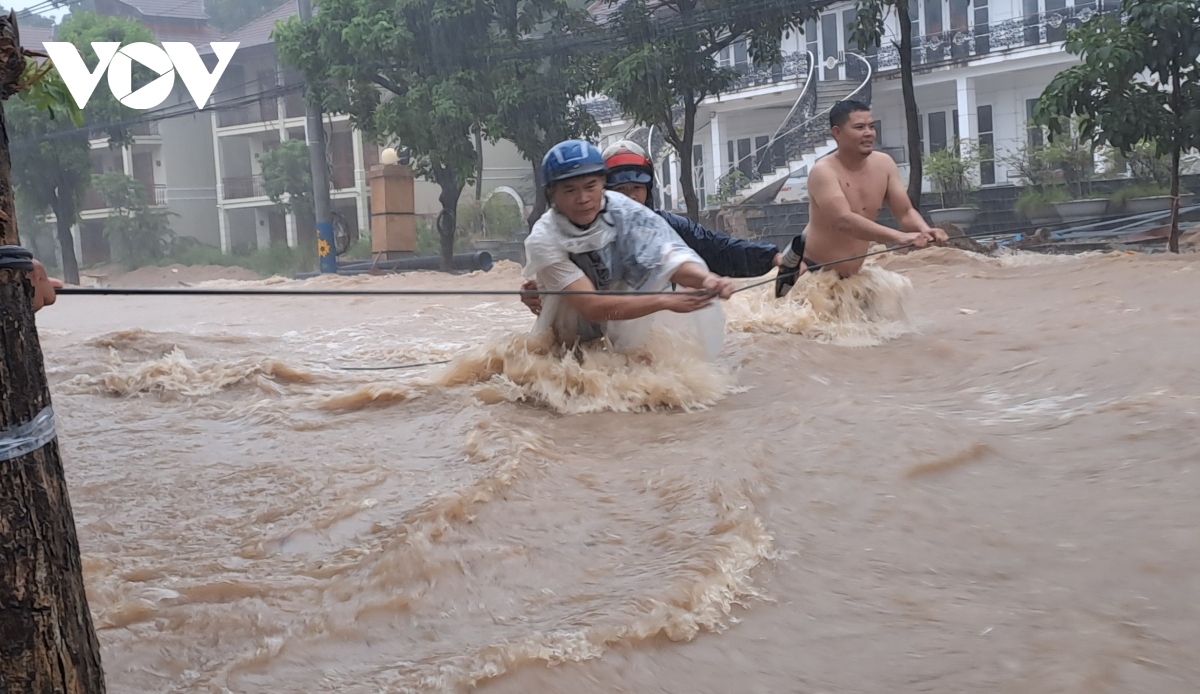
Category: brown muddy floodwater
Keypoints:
(954, 474)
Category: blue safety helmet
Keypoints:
(571, 159)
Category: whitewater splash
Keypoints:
(863, 310)
(668, 373)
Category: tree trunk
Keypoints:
(47, 643)
(447, 221)
(539, 197)
(66, 241)
(911, 114)
(687, 180)
(1176, 153)
(479, 164)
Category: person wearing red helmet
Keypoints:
(631, 173)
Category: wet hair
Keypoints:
(840, 113)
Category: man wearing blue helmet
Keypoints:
(631, 173)
(593, 240)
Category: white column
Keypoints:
(127, 160)
(360, 184)
(77, 239)
(717, 169)
(675, 197)
(223, 226)
(293, 239)
(968, 113)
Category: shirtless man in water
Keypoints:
(846, 191)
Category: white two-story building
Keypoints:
(980, 66)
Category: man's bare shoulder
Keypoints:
(881, 161)
(825, 167)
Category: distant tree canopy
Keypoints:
(229, 15)
(1138, 82)
(662, 80)
(429, 74)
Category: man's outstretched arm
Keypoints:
(907, 216)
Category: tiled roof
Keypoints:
(33, 37)
(175, 9)
(258, 32)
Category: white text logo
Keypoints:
(166, 61)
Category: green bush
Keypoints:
(1033, 202)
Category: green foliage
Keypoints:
(1122, 197)
(503, 218)
(661, 81)
(427, 74)
(731, 183)
(137, 234)
(952, 172)
(47, 92)
(1146, 166)
(498, 217)
(1035, 203)
(103, 112)
(287, 177)
(1139, 81)
(51, 160)
(229, 15)
(429, 243)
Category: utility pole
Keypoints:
(47, 642)
(314, 135)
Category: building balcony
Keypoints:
(242, 187)
(983, 40)
(154, 194)
(260, 112)
(793, 67)
(145, 129)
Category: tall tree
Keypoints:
(287, 180)
(427, 74)
(537, 101)
(670, 66)
(104, 114)
(407, 71)
(867, 32)
(53, 173)
(138, 234)
(52, 162)
(49, 643)
(1139, 82)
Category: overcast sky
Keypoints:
(23, 4)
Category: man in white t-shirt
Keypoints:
(591, 240)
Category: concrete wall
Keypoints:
(187, 170)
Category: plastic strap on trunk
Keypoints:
(28, 437)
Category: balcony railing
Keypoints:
(144, 129)
(239, 187)
(982, 40)
(155, 194)
(259, 112)
(793, 67)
